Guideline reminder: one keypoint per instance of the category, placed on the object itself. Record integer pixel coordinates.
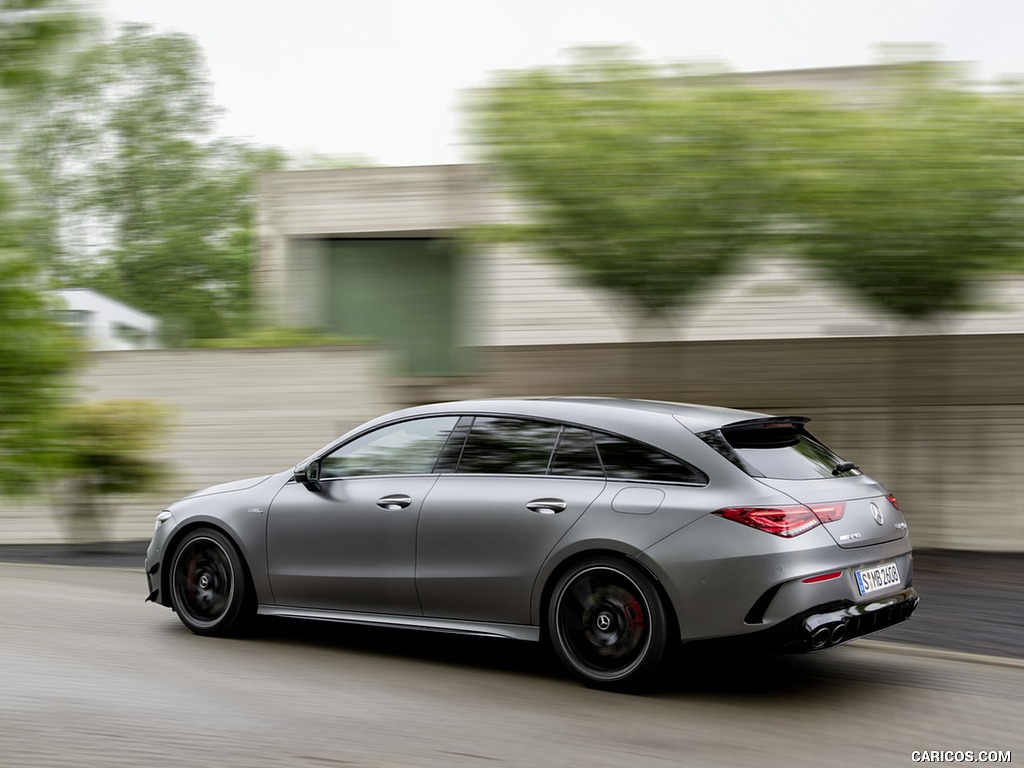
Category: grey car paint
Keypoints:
(339, 548)
(481, 545)
(481, 553)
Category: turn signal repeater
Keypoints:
(786, 520)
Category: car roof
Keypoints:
(608, 412)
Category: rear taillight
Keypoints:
(787, 520)
(892, 500)
(830, 512)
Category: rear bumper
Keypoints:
(831, 625)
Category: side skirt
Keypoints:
(453, 626)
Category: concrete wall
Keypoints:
(939, 419)
(237, 413)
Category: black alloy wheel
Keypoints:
(209, 585)
(607, 624)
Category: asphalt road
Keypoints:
(92, 676)
(970, 601)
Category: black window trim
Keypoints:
(593, 430)
(522, 417)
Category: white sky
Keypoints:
(382, 78)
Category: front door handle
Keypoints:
(395, 501)
(546, 506)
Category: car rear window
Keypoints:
(779, 451)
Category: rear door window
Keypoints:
(507, 446)
(576, 454)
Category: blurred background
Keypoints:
(775, 210)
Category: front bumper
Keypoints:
(153, 564)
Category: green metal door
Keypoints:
(401, 292)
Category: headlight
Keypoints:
(162, 518)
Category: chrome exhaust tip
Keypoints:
(820, 638)
(838, 633)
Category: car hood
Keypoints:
(234, 485)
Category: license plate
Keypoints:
(878, 577)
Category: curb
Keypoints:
(942, 654)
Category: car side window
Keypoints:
(627, 460)
(576, 454)
(500, 445)
(405, 448)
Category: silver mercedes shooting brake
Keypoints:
(613, 529)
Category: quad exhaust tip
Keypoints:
(838, 633)
(820, 638)
(829, 634)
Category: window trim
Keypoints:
(706, 480)
(461, 415)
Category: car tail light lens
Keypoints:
(892, 500)
(829, 513)
(823, 577)
(787, 520)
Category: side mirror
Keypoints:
(309, 475)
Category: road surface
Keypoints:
(92, 676)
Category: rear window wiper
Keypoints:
(844, 466)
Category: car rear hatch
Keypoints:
(780, 453)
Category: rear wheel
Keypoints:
(210, 589)
(607, 624)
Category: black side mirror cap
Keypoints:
(309, 475)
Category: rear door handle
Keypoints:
(396, 501)
(546, 506)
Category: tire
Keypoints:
(607, 624)
(209, 585)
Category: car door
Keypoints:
(348, 542)
(486, 529)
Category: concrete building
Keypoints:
(376, 253)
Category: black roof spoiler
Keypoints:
(767, 422)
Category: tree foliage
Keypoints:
(910, 200)
(136, 197)
(36, 355)
(108, 450)
(651, 186)
(32, 33)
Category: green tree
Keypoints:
(123, 154)
(32, 34)
(36, 355)
(651, 186)
(108, 451)
(910, 200)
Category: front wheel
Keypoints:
(607, 624)
(209, 585)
